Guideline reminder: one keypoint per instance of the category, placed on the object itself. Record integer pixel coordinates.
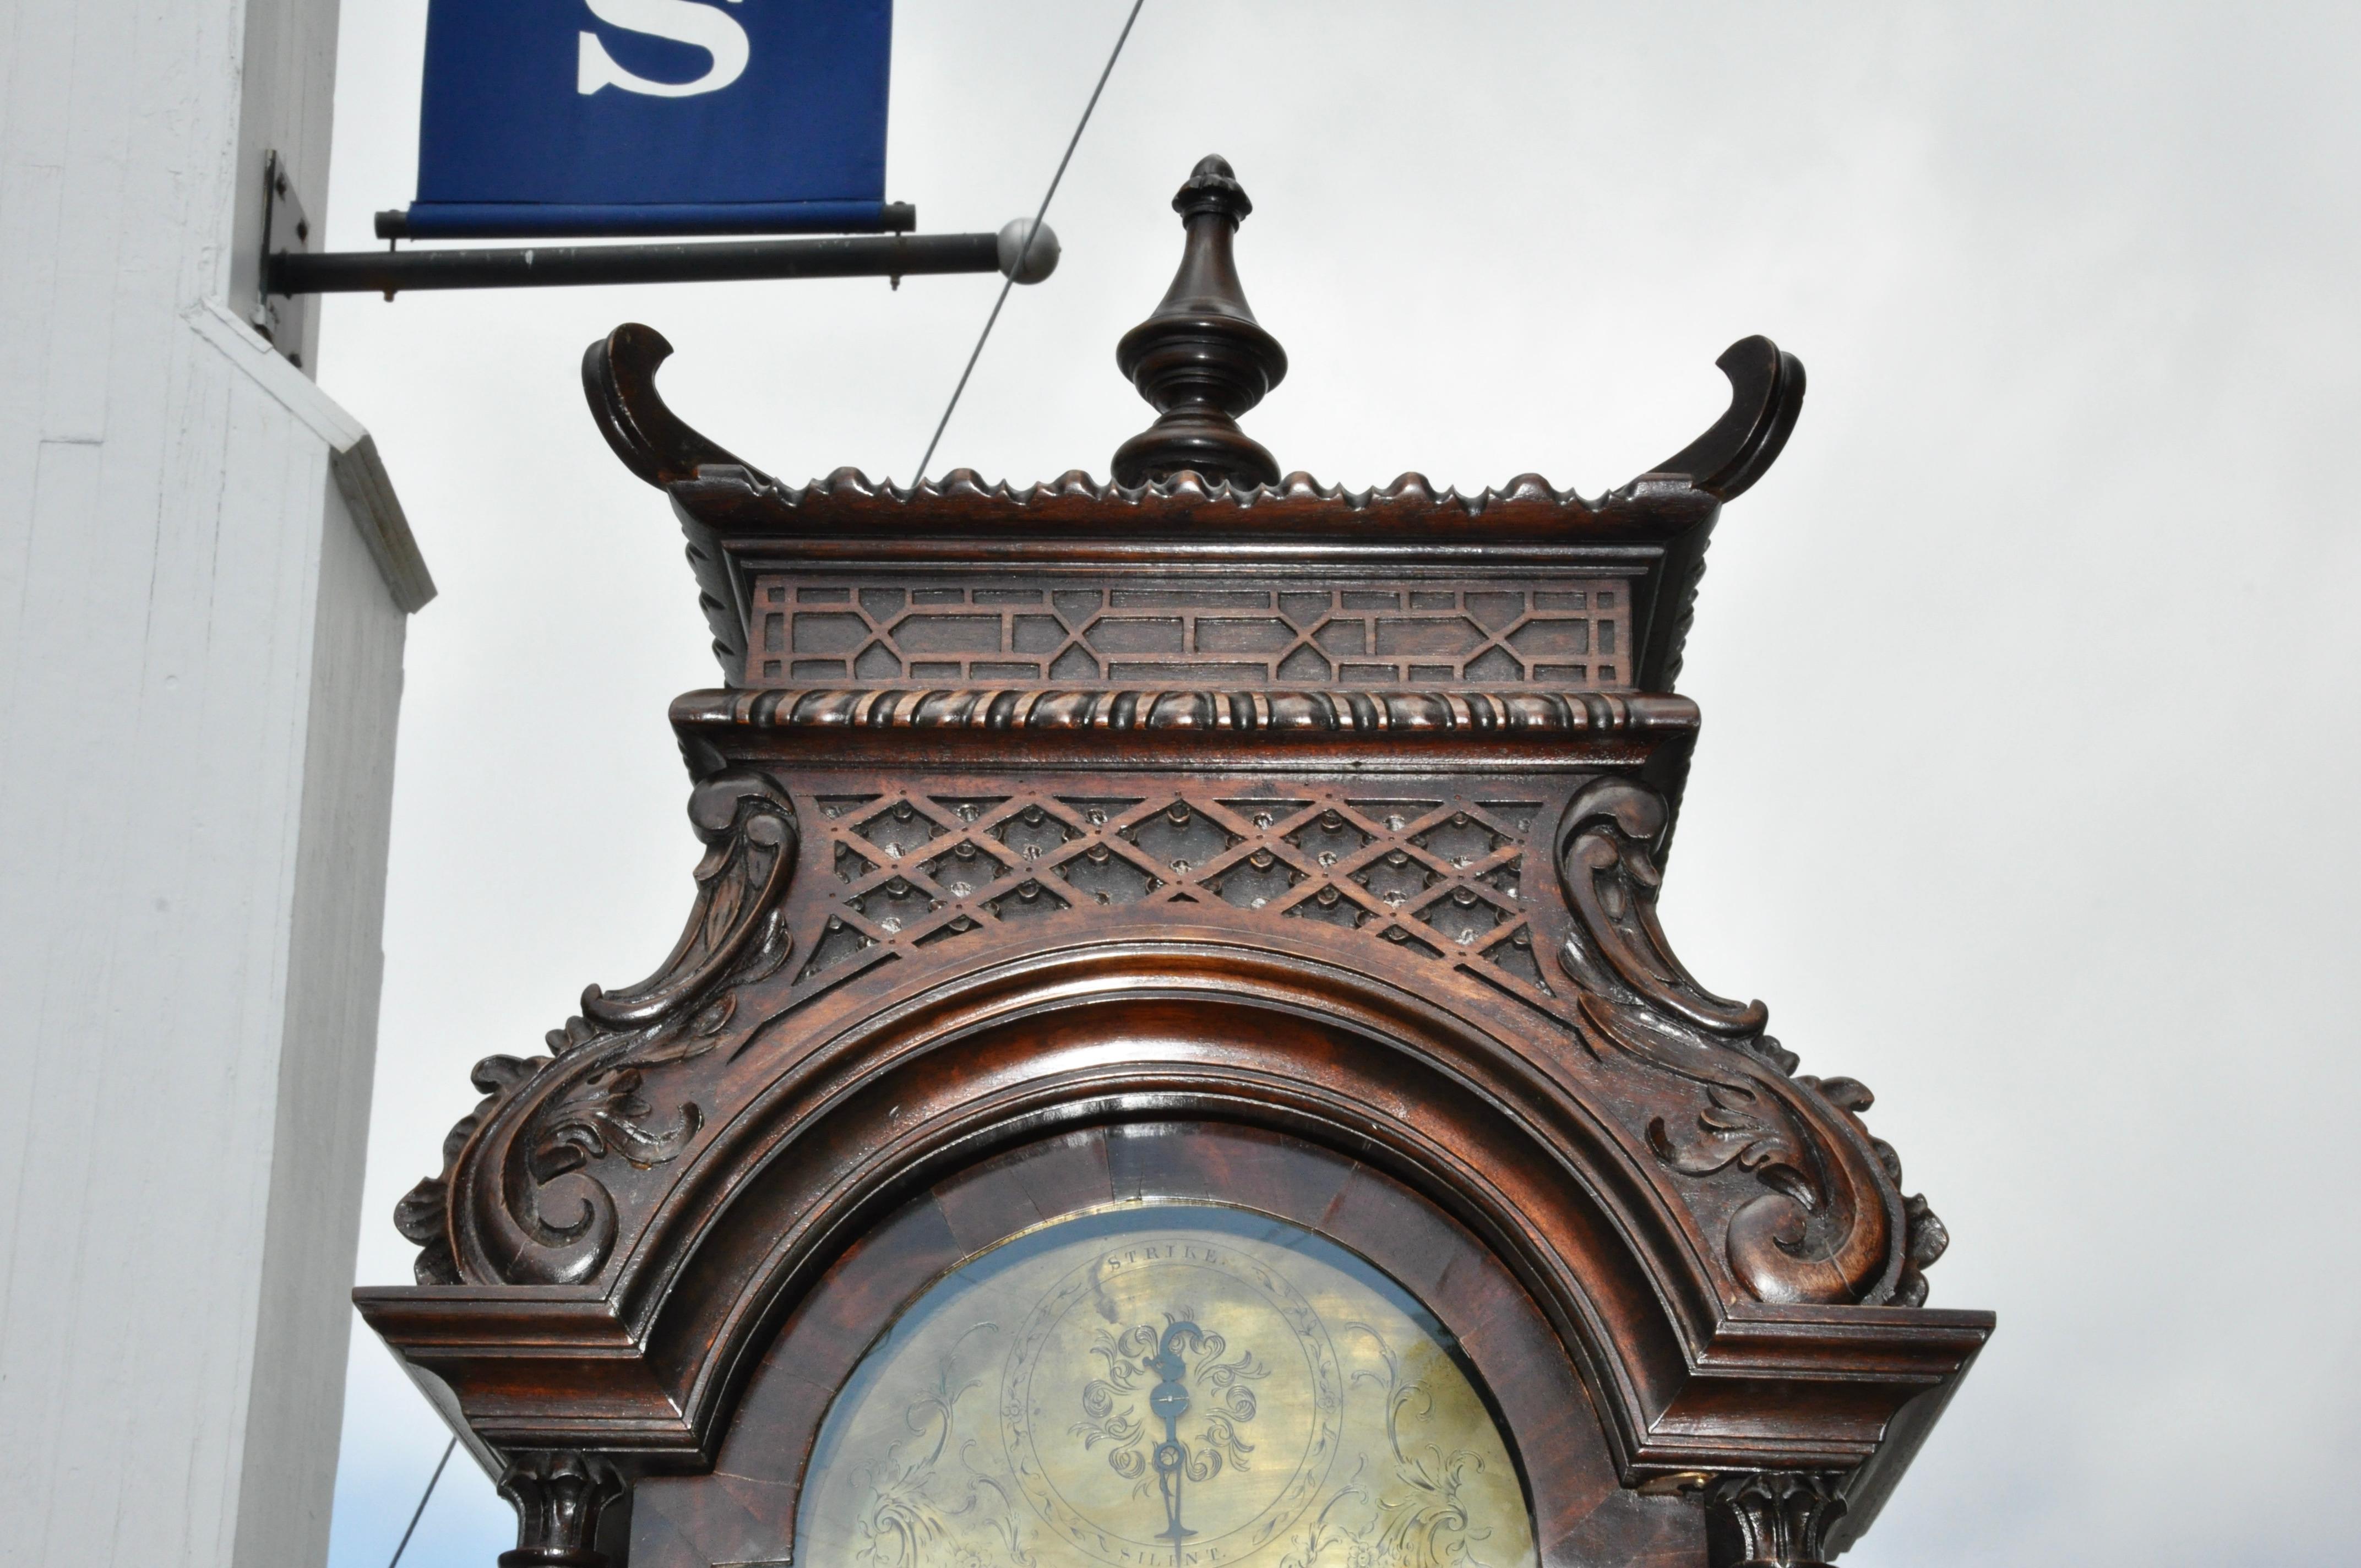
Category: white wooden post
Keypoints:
(204, 578)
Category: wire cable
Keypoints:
(1031, 235)
(420, 1512)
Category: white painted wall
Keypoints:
(204, 579)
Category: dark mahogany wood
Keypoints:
(1328, 824)
(1202, 358)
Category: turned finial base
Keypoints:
(1202, 360)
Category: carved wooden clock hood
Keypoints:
(1173, 1059)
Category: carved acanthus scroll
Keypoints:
(1827, 1229)
(527, 1207)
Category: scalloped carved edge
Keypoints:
(1409, 492)
(530, 1145)
(1834, 1226)
(1326, 713)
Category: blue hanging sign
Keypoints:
(545, 117)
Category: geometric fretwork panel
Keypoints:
(1571, 635)
(906, 871)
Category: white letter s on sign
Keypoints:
(690, 22)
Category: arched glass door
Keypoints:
(1178, 1384)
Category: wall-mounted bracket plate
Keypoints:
(284, 319)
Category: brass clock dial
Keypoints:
(1164, 1384)
(1203, 1390)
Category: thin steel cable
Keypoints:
(1031, 235)
(420, 1512)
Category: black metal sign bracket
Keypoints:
(289, 273)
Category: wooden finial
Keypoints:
(1202, 360)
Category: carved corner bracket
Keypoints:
(560, 1500)
(1771, 1519)
(498, 1213)
(1833, 1225)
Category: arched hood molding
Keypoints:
(1176, 1033)
(642, 1362)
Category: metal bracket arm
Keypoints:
(548, 266)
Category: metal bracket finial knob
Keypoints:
(1202, 360)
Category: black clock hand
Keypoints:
(1170, 1399)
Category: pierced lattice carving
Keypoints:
(1436, 877)
(1570, 635)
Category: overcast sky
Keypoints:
(2031, 735)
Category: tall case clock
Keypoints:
(1173, 1059)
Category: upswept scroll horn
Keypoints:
(619, 377)
(1767, 395)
